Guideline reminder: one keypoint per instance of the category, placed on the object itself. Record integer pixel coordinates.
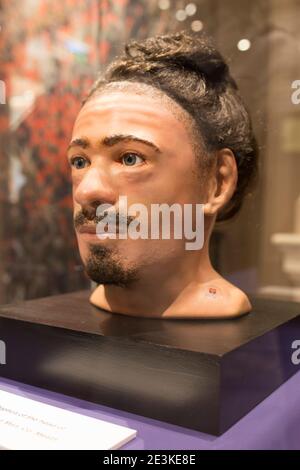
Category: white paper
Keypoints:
(26, 424)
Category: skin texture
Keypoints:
(164, 279)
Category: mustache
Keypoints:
(84, 218)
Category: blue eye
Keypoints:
(132, 159)
(78, 162)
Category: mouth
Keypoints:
(90, 231)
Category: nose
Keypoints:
(94, 189)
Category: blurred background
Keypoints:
(51, 52)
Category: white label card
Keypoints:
(26, 424)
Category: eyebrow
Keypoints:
(114, 139)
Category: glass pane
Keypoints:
(50, 55)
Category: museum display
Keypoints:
(162, 152)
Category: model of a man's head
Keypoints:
(164, 124)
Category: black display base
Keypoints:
(200, 374)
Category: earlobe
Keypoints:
(223, 182)
(209, 209)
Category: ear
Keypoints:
(223, 182)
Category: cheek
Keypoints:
(137, 187)
(76, 206)
(174, 187)
(75, 180)
(148, 185)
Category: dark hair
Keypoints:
(190, 70)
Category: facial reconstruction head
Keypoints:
(164, 124)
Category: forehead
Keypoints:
(143, 112)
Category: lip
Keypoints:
(87, 229)
(92, 230)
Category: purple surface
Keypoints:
(273, 424)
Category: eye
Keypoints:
(78, 162)
(132, 159)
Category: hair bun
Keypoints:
(193, 52)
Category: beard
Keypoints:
(103, 267)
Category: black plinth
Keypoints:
(200, 374)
